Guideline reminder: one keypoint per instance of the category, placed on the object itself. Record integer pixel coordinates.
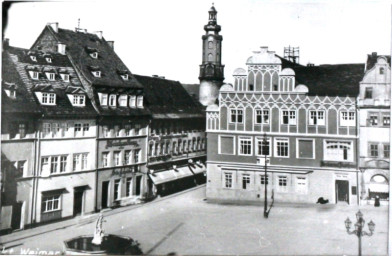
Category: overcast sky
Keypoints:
(163, 37)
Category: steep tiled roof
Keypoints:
(24, 101)
(192, 90)
(80, 45)
(21, 61)
(372, 59)
(168, 99)
(331, 80)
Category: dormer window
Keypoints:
(132, 101)
(78, 100)
(65, 77)
(140, 101)
(47, 98)
(33, 75)
(94, 55)
(112, 100)
(48, 59)
(96, 73)
(50, 76)
(123, 100)
(33, 58)
(125, 77)
(10, 93)
(103, 99)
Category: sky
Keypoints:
(163, 37)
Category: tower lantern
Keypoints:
(211, 70)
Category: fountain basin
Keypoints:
(111, 244)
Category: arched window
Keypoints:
(379, 187)
(210, 57)
(210, 45)
(381, 71)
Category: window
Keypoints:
(132, 101)
(263, 179)
(117, 189)
(105, 159)
(136, 156)
(210, 45)
(373, 120)
(86, 128)
(75, 163)
(54, 164)
(63, 163)
(251, 87)
(137, 129)
(84, 161)
(78, 129)
(94, 55)
(20, 168)
(34, 75)
(368, 93)
(316, 117)
(386, 150)
(282, 147)
(245, 146)
(338, 151)
(103, 99)
(245, 181)
(289, 117)
(381, 71)
(259, 115)
(50, 203)
(128, 130)
(373, 150)
(33, 58)
(263, 150)
(78, 100)
(50, 76)
(106, 131)
(96, 73)
(301, 185)
(22, 130)
(305, 148)
(125, 77)
(46, 129)
(48, 98)
(55, 129)
(236, 115)
(129, 187)
(347, 118)
(116, 156)
(117, 130)
(265, 116)
(228, 182)
(209, 57)
(140, 101)
(65, 77)
(282, 184)
(123, 100)
(112, 100)
(127, 156)
(45, 165)
(386, 120)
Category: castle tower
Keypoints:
(211, 70)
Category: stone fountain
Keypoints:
(101, 244)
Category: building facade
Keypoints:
(211, 70)
(311, 148)
(123, 120)
(177, 143)
(374, 124)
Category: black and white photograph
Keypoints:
(185, 127)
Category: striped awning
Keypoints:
(379, 188)
(196, 168)
(171, 175)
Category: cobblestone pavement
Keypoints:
(186, 224)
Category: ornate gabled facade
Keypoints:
(311, 140)
(374, 125)
(211, 70)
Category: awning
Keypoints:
(182, 172)
(54, 191)
(196, 169)
(379, 188)
(162, 177)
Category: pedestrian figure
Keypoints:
(377, 201)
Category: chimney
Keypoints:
(55, 26)
(264, 49)
(6, 43)
(99, 34)
(111, 44)
(61, 48)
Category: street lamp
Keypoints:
(358, 231)
(264, 151)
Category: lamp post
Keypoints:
(358, 231)
(264, 151)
